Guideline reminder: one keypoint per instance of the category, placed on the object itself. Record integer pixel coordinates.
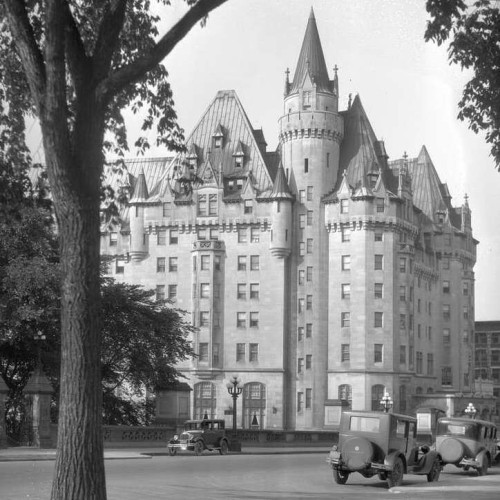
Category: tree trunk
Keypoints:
(79, 469)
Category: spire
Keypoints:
(140, 190)
(281, 190)
(311, 60)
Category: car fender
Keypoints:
(483, 457)
(390, 459)
(426, 462)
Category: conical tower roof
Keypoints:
(141, 190)
(311, 60)
(281, 190)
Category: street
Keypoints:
(291, 476)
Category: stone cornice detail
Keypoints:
(370, 223)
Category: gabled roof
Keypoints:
(311, 60)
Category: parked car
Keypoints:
(467, 443)
(383, 444)
(199, 435)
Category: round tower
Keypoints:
(138, 244)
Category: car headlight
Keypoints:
(176, 437)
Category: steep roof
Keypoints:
(311, 60)
(281, 190)
(141, 189)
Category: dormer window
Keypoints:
(217, 142)
(238, 161)
(306, 99)
(218, 137)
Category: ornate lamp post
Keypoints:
(470, 411)
(386, 402)
(234, 387)
(38, 337)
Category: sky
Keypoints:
(408, 89)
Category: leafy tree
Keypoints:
(76, 64)
(474, 32)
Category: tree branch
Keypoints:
(31, 57)
(134, 71)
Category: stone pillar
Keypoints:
(40, 391)
(3, 397)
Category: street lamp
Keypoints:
(38, 337)
(387, 402)
(470, 411)
(234, 387)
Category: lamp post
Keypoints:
(387, 402)
(38, 337)
(234, 387)
(470, 411)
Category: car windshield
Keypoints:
(364, 424)
(458, 429)
(191, 426)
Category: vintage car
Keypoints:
(199, 435)
(382, 444)
(467, 443)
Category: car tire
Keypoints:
(224, 448)
(172, 452)
(340, 476)
(395, 477)
(435, 471)
(198, 448)
(483, 470)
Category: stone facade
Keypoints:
(321, 274)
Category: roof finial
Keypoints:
(466, 199)
(335, 69)
(349, 102)
(287, 81)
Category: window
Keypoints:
(308, 361)
(300, 365)
(254, 291)
(346, 234)
(203, 352)
(309, 245)
(430, 364)
(446, 312)
(254, 235)
(344, 206)
(378, 319)
(214, 233)
(402, 321)
(309, 217)
(379, 290)
(248, 206)
(402, 264)
(420, 362)
(215, 354)
(309, 193)
(240, 352)
(346, 290)
(174, 236)
(466, 312)
(204, 318)
(306, 165)
(204, 290)
(302, 196)
(254, 320)
(113, 239)
(300, 305)
(160, 292)
(380, 205)
(446, 376)
(172, 264)
(202, 205)
(300, 401)
(161, 237)
(465, 288)
(302, 248)
(172, 292)
(345, 319)
(160, 264)
(242, 235)
(306, 99)
(446, 263)
(402, 293)
(204, 400)
(309, 329)
(309, 276)
(346, 262)
(418, 330)
(242, 262)
(377, 353)
(302, 221)
(309, 302)
(377, 394)
(202, 233)
(345, 394)
(345, 354)
(300, 333)
(308, 398)
(205, 263)
(446, 286)
(167, 209)
(212, 204)
(379, 262)
(402, 354)
(254, 353)
(378, 235)
(302, 274)
(254, 262)
(241, 319)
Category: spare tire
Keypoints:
(357, 453)
(451, 450)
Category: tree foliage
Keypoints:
(473, 31)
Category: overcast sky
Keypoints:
(407, 88)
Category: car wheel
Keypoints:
(395, 477)
(340, 476)
(172, 451)
(223, 447)
(435, 471)
(483, 470)
(198, 448)
(382, 476)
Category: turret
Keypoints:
(138, 245)
(282, 200)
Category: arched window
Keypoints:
(205, 402)
(345, 394)
(402, 398)
(377, 394)
(254, 404)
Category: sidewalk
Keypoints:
(28, 454)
